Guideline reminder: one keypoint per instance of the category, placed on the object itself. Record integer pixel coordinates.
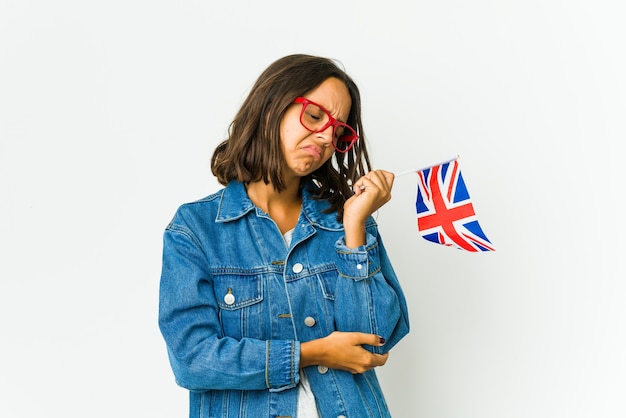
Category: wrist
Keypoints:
(311, 353)
(354, 233)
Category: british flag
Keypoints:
(445, 214)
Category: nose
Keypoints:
(326, 135)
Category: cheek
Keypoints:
(286, 133)
(328, 153)
(289, 128)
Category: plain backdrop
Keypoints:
(109, 113)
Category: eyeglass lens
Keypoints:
(316, 119)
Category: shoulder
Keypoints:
(190, 213)
(202, 203)
(227, 204)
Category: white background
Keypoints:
(109, 113)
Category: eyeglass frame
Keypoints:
(331, 122)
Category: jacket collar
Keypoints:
(235, 203)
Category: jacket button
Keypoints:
(229, 298)
(297, 268)
(322, 369)
(341, 416)
(309, 321)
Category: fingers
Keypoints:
(371, 192)
(375, 180)
(380, 359)
(382, 178)
(357, 338)
(369, 339)
(345, 351)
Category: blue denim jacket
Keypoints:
(235, 303)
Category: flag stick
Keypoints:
(424, 168)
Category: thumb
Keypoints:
(373, 340)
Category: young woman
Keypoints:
(277, 297)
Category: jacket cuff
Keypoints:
(358, 263)
(282, 361)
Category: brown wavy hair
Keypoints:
(252, 151)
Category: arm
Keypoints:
(201, 356)
(368, 298)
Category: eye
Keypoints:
(313, 116)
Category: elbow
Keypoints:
(189, 377)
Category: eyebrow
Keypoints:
(326, 109)
(342, 121)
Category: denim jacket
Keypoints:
(235, 303)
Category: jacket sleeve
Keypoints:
(368, 296)
(201, 357)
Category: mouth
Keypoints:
(314, 151)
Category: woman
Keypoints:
(277, 297)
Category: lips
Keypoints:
(313, 150)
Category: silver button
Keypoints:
(297, 268)
(322, 369)
(309, 321)
(341, 416)
(359, 266)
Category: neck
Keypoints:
(283, 207)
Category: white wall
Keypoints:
(109, 112)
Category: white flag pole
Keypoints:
(423, 168)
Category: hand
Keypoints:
(343, 351)
(371, 192)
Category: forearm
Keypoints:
(225, 363)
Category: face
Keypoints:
(306, 151)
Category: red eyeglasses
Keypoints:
(317, 119)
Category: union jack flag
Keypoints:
(445, 214)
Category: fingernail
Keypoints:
(381, 340)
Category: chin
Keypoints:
(304, 169)
(303, 173)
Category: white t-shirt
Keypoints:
(306, 401)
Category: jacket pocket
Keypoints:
(240, 298)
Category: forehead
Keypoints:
(334, 96)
